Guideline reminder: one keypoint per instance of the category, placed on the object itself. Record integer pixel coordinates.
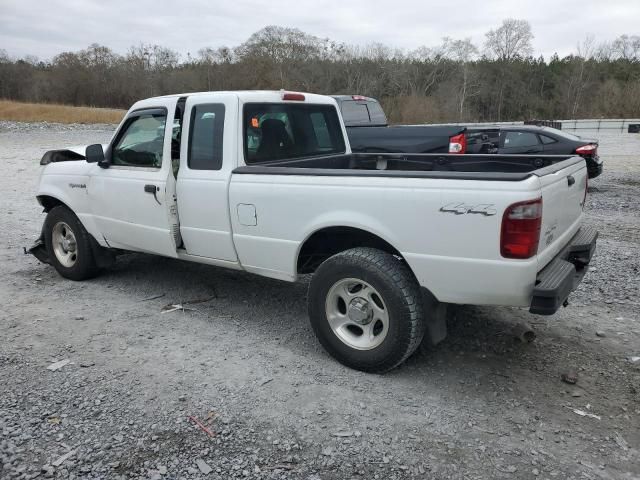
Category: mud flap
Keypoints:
(103, 257)
(436, 321)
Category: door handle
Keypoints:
(570, 180)
(152, 189)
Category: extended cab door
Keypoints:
(133, 200)
(207, 157)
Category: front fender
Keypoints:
(60, 184)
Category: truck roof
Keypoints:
(358, 98)
(244, 95)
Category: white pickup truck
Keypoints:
(266, 182)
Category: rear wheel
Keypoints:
(68, 245)
(365, 307)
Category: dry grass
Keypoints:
(43, 112)
(411, 109)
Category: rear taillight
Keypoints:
(590, 149)
(359, 98)
(458, 144)
(520, 232)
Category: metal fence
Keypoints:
(608, 125)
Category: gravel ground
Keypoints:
(245, 364)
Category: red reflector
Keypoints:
(590, 149)
(520, 232)
(359, 98)
(293, 96)
(458, 144)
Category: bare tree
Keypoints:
(463, 52)
(580, 76)
(282, 48)
(506, 43)
(626, 47)
(281, 44)
(427, 66)
(213, 59)
(509, 41)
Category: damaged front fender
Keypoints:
(103, 257)
(39, 250)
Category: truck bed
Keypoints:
(480, 167)
(442, 213)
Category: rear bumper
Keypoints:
(564, 273)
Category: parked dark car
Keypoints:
(531, 140)
(368, 131)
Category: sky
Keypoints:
(44, 28)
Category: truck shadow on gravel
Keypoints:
(272, 315)
(275, 309)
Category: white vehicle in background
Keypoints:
(265, 182)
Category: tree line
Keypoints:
(456, 80)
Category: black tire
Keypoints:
(84, 265)
(400, 294)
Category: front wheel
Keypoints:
(365, 307)
(68, 245)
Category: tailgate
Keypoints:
(563, 193)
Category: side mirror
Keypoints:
(95, 154)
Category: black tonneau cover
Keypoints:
(402, 138)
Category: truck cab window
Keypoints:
(142, 142)
(281, 131)
(205, 137)
(354, 112)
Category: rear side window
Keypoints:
(205, 137)
(547, 140)
(377, 114)
(353, 112)
(321, 130)
(520, 139)
(281, 131)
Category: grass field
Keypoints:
(43, 112)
